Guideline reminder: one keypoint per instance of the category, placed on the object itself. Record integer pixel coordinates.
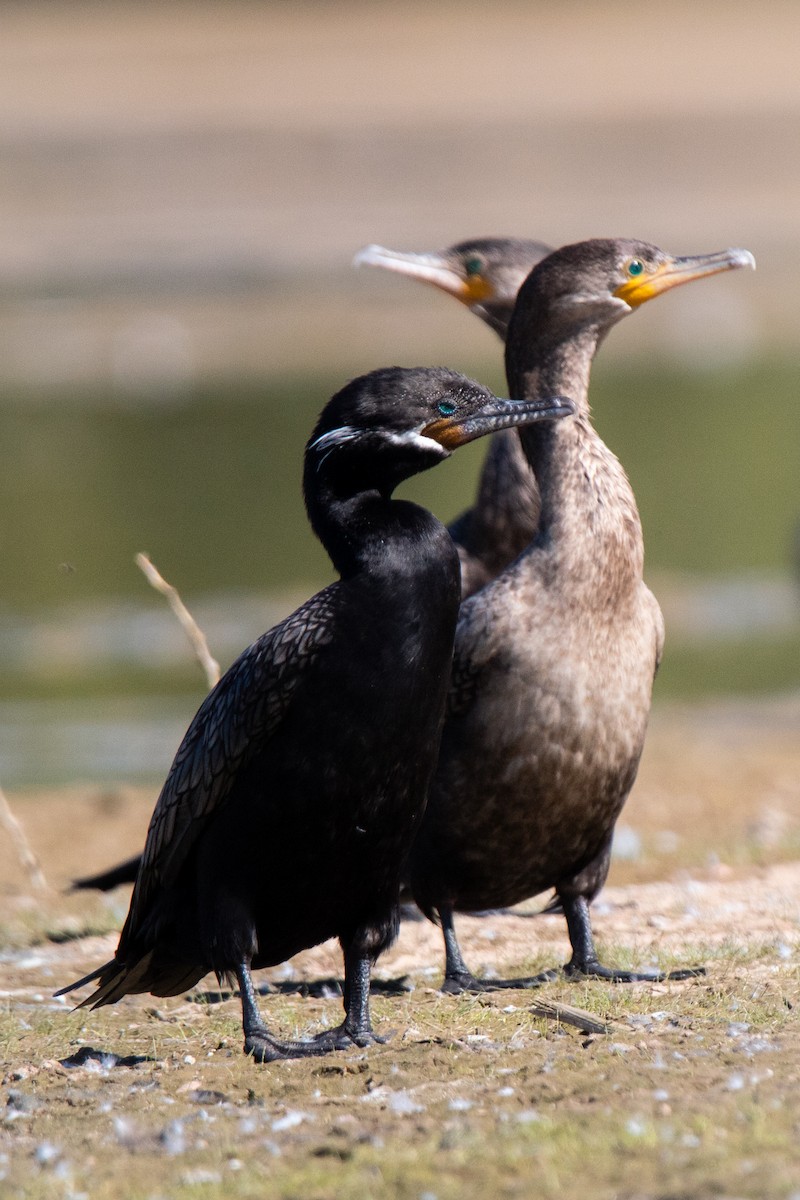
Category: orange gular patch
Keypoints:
(446, 432)
(476, 288)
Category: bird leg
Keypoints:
(259, 1043)
(356, 1029)
(457, 975)
(584, 959)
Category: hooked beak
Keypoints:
(452, 432)
(429, 268)
(676, 271)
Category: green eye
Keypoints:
(446, 408)
(473, 266)
(635, 267)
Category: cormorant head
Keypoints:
(598, 282)
(483, 273)
(383, 427)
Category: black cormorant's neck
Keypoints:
(363, 528)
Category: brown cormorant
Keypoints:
(554, 660)
(485, 274)
(289, 809)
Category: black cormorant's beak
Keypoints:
(675, 271)
(454, 431)
(430, 268)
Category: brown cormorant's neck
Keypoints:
(555, 362)
(589, 522)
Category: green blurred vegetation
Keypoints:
(208, 483)
(714, 459)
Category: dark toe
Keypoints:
(596, 970)
(456, 985)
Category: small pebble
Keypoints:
(20, 1104)
(46, 1153)
(528, 1116)
(627, 844)
(200, 1175)
(754, 1045)
(124, 1131)
(207, 1096)
(173, 1138)
(402, 1102)
(290, 1121)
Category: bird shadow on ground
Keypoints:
(316, 989)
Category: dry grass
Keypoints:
(694, 1092)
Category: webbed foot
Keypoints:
(595, 970)
(457, 982)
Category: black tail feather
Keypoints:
(105, 881)
(90, 978)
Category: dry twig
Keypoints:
(191, 628)
(566, 1014)
(27, 859)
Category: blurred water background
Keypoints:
(183, 187)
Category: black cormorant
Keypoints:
(288, 812)
(485, 274)
(554, 660)
(104, 881)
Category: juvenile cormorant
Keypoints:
(288, 812)
(485, 274)
(554, 660)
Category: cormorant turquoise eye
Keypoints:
(473, 266)
(446, 408)
(635, 267)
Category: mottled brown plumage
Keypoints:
(554, 660)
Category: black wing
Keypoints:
(242, 712)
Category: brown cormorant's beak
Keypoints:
(454, 431)
(430, 268)
(675, 271)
